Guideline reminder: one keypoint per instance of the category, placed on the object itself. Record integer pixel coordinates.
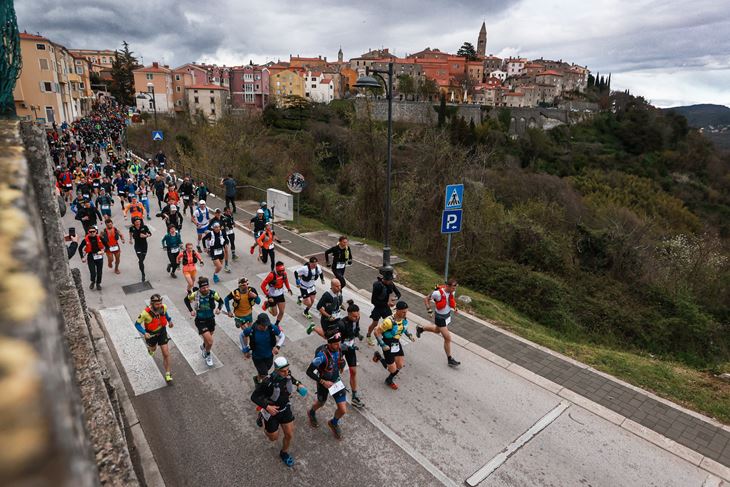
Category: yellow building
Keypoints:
(286, 82)
(53, 86)
(157, 78)
(101, 60)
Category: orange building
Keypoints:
(159, 78)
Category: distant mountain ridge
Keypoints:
(704, 115)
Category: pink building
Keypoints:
(249, 86)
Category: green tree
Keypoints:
(427, 88)
(442, 111)
(122, 86)
(10, 60)
(406, 85)
(505, 118)
(467, 50)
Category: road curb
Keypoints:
(147, 463)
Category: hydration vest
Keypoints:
(158, 321)
(441, 303)
(329, 370)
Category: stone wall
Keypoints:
(57, 423)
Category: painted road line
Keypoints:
(140, 368)
(187, 340)
(408, 449)
(502, 457)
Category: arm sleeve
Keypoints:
(139, 327)
(280, 337)
(321, 303)
(187, 303)
(227, 300)
(312, 372)
(217, 297)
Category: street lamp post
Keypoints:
(368, 81)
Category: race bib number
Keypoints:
(336, 387)
(98, 256)
(217, 251)
(265, 414)
(187, 198)
(86, 196)
(340, 265)
(144, 198)
(229, 231)
(349, 343)
(448, 320)
(395, 348)
(113, 248)
(104, 207)
(175, 250)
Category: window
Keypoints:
(179, 103)
(149, 76)
(150, 88)
(211, 92)
(40, 47)
(81, 86)
(151, 106)
(79, 70)
(103, 60)
(212, 110)
(247, 76)
(44, 64)
(177, 88)
(195, 100)
(257, 87)
(212, 100)
(248, 98)
(48, 86)
(177, 77)
(195, 91)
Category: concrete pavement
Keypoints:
(440, 428)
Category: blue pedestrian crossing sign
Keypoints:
(454, 196)
(157, 135)
(451, 221)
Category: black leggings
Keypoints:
(232, 241)
(141, 254)
(340, 275)
(95, 268)
(268, 254)
(232, 201)
(173, 260)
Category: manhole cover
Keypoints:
(137, 288)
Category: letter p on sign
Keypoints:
(451, 221)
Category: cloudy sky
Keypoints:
(673, 52)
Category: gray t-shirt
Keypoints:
(230, 185)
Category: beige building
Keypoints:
(212, 101)
(186, 75)
(101, 60)
(54, 85)
(157, 79)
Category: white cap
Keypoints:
(260, 211)
(280, 362)
(173, 207)
(202, 202)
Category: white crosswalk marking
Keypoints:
(140, 368)
(187, 340)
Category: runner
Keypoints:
(215, 243)
(268, 215)
(243, 297)
(159, 186)
(172, 243)
(172, 216)
(152, 323)
(104, 202)
(262, 341)
(273, 288)
(143, 193)
(187, 191)
(272, 396)
(88, 215)
(349, 329)
(257, 225)
(204, 312)
(188, 258)
(228, 225)
(306, 279)
(135, 208)
(329, 306)
(172, 197)
(444, 297)
(111, 237)
(341, 257)
(201, 191)
(138, 235)
(94, 248)
(325, 370)
(230, 186)
(380, 298)
(201, 218)
(388, 335)
(266, 243)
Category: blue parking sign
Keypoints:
(451, 221)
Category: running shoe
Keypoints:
(235, 257)
(299, 300)
(371, 341)
(169, 267)
(227, 269)
(209, 360)
(419, 331)
(312, 419)
(252, 247)
(336, 430)
(91, 286)
(216, 278)
(453, 363)
(286, 458)
(357, 402)
(391, 384)
(377, 357)
(168, 377)
(202, 350)
(151, 351)
(307, 315)
(98, 286)
(259, 420)
(310, 327)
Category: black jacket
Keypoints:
(382, 291)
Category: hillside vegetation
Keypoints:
(613, 232)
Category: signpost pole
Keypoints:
(448, 255)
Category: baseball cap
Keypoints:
(260, 211)
(401, 305)
(280, 363)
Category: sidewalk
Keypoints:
(635, 410)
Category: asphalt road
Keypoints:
(442, 427)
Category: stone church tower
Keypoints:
(482, 41)
(340, 56)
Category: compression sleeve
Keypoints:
(227, 300)
(187, 303)
(280, 337)
(312, 372)
(139, 327)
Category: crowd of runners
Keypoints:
(113, 194)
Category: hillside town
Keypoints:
(58, 84)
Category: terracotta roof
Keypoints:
(152, 69)
(325, 81)
(549, 73)
(206, 87)
(186, 65)
(316, 74)
(32, 37)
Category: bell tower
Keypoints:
(482, 41)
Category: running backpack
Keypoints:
(252, 339)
